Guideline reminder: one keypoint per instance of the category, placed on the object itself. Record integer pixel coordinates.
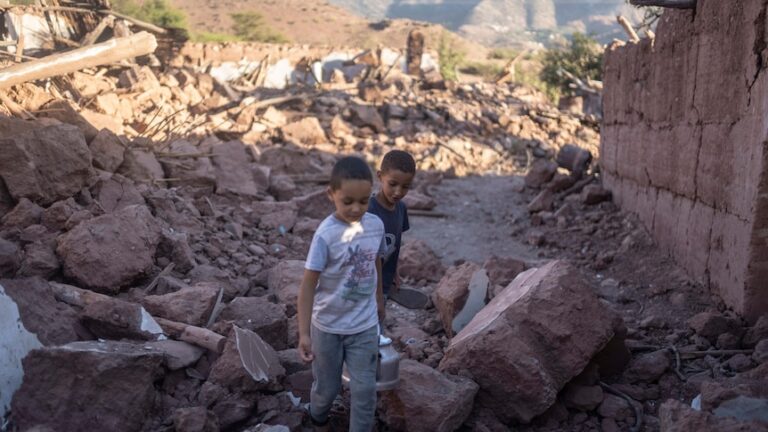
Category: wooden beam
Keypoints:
(107, 52)
(672, 4)
(624, 22)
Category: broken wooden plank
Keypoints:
(96, 55)
(627, 26)
(195, 335)
(672, 4)
(93, 35)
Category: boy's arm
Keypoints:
(304, 309)
(380, 303)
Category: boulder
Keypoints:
(540, 173)
(290, 160)
(37, 309)
(111, 251)
(427, 400)
(193, 305)
(282, 187)
(418, 261)
(306, 131)
(45, 164)
(175, 247)
(141, 166)
(648, 367)
(615, 407)
(595, 194)
(710, 325)
(10, 258)
(112, 318)
(191, 171)
(64, 111)
(95, 385)
(235, 173)
(582, 398)
(195, 419)
(247, 364)
(107, 151)
(315, 205)
(24, 214)
(56, 216)
(756, 333)
(284, 281)
(452, 293)
(259, 315)
(544, 201)
(532, 339)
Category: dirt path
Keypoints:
(479, 223)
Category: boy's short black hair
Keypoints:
(398, 160)
(350, 168)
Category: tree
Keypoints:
(583, 57)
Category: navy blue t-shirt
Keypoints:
(395, 224)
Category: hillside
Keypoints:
(503, 22)
(316, 22)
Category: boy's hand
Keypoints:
(305, 349)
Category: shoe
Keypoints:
(317, 426)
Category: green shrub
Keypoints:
(503, 54)
(157, 12)
(213, 37)
(583, 57)
(250, 26)
(487, 70)
(450, 57)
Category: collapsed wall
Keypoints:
(684, 143)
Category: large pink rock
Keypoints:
(111, 251)
(427, 400)
(418, 261)
(235, 173)
(95, 385)
(531, 340)
(306, 131)
(259, 315)
(45, 164)
(452, 293)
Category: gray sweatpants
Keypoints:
(360, 352)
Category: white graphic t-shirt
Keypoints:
(345, 255)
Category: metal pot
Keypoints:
(388, 368)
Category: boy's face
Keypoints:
(395, 185)
(351, 199)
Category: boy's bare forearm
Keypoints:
(306, 300)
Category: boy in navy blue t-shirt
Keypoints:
(395, 175)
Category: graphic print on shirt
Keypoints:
(361, 279)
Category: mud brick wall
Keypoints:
(684, 143)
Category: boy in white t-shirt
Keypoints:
(342, 293)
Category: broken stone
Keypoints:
(195, 419)
(561, 182)
(306, 131)
(55, 217)
(259, 315)
(756, 333)
(117, 379)
(366, 115)
(178, 354)
(112, 318)
(678, 417)
(541, 173)
(10, 258)
(711, 325)
(290, 160)
(427, 400)
(141, 166)
(107, 151)
(291, 361)
(574, 159)
(37, 306)
(452, 293)
(760, 355)
(115, 192)
(282, 187)
(738, 363)
(540, 332)
(419, 201)
(64, 111)
(727, 341)
(247, 364)
(315, 205)
(544, 201)
(648, 367)
(284, 281)
(274, 117)
(503, 270)
(193, 305)
(193, 170)
(45, 164)
(340, 128)
(25, 213)
(583, 398)
(39, 260)
(111, 251)
(614, 407)
(595, 194)
(235, 173)
(418, 261)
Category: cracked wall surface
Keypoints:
(685, 143)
